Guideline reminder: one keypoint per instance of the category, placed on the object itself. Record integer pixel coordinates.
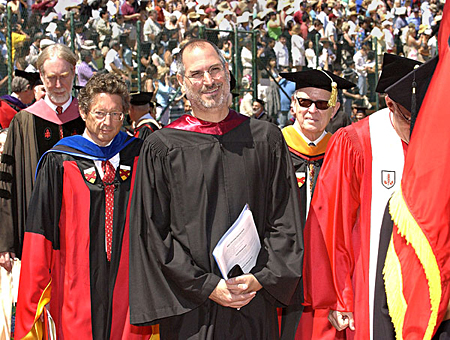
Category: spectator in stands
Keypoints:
(362, 34)
(323, 14)
(163, 89)
(281, 52)
(160, 9)
(152, 29)
(310, 55)
(274, 25)
(297, 48)
(34, 47)
(388, 36)
(104, 28)
(84, 70)
(330, 30)
(113, 61)
(360, 59)
(118, 27)
(226, 24)
(79, 35)
(412, 44)
(246, 57)
(129, 12)
(415, 18)
(150, 73)
(315, 33)
(326, 57)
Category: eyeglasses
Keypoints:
(320, 104)
(214, 71)
(102, 115)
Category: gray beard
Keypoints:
(210, 104)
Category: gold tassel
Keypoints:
(333, 97)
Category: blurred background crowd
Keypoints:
(139, 40)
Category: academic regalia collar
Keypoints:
(190, 123)
(42, 110)
(13, 100)
(307, 140)
(147, 119)
(297, 144)
(81, 147)
(53, 106)
(93, 151)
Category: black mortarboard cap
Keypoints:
(262, 102)
(316, 78)
(410, 90)
(394, 68)
(141, 98)
(32, 77)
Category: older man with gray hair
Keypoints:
(32, 132)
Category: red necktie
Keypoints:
(59, 110)
(108, 181)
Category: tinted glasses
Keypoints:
(320, 104)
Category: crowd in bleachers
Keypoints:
(291, 35)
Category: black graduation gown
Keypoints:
(264, 116)
(190, 188)
(29, 137)
(145, 128)
(66, 228)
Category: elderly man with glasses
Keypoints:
(76, 245)
(193, 179)
(314, 104)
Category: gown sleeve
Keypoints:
(279, 265)
(40, 242)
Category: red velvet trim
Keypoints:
(190, 123)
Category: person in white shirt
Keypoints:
(297, 48)
(360, 59)
(282, 52)
(113, 62)
(388, 36)
(246, 57)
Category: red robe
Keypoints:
(64, 260)
(339, 224)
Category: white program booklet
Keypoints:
(240, 245)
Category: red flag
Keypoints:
(417, 267)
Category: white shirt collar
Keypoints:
(115, 160)
(53, 106)
(316, 142)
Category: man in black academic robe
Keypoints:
(314, 104)
(143, 114)
(31, 133)
(193, 179)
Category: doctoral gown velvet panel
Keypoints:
(190, 188)
(65, 249)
